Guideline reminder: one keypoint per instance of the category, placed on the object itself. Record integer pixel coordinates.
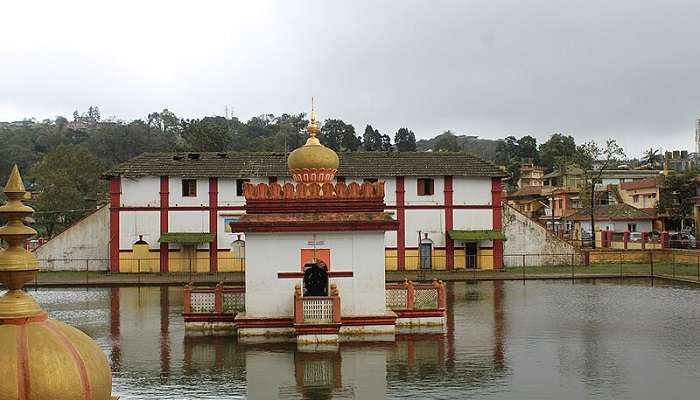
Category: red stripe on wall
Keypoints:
(115, 191)
(214, 222)
(401, 217)
(449, 222)
(164, 205)
(497, 223)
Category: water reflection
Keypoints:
(597, 339)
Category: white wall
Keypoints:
(270, 253)
(474, 219)
(431, 221)
(143, 192)
(525, 236)
(135, 223)
(473, 191)
(224, 239)
(411, 187)
(227, 191)
(189, 221)
(87, 239)
(176, 199)
(617, 226)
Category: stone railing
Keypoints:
(316, 309)
(416, 296)
(216, 300)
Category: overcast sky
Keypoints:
(626, 69)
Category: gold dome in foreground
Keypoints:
(313, 162)
(41, 359)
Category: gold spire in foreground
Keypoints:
(41, 358)
(17, 265)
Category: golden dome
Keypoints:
(313, 162)
(40, 358)
(46, 359)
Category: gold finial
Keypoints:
(312, 128)
(17, 265)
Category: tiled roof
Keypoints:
(614, 212)
(360, 164)
(646, 183)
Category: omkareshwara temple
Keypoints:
(315, 263)
(40, 358)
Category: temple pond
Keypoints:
(623, 339)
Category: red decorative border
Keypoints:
(419, 313)
(192, 317)
(243, 322)
(368, 320)
(316, 329)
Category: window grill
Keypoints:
(318, 311)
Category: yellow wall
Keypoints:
(183, 260)
(139, 260)
(227, 263)
(484, 259)
(390, 259)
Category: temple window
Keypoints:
(426, 187)
(189, 188)
(371, 180)
(240, 183)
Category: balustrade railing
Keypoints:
(317, 309)
(216, 300)
(416, 296)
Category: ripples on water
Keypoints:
(598, 339)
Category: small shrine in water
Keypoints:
(315, 262)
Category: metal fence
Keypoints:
(673, 263)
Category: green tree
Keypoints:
(17, 148)
(386, 143)
(607, 155)
(117, 142)
(447, 142)
(653, 158)
(290, 131)
(371, 139)
(165, 121)
(208, 134)
(339, 136)
(405, 140)
(558, 150)
(676, 198)
(67, 181)
(527, 149)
